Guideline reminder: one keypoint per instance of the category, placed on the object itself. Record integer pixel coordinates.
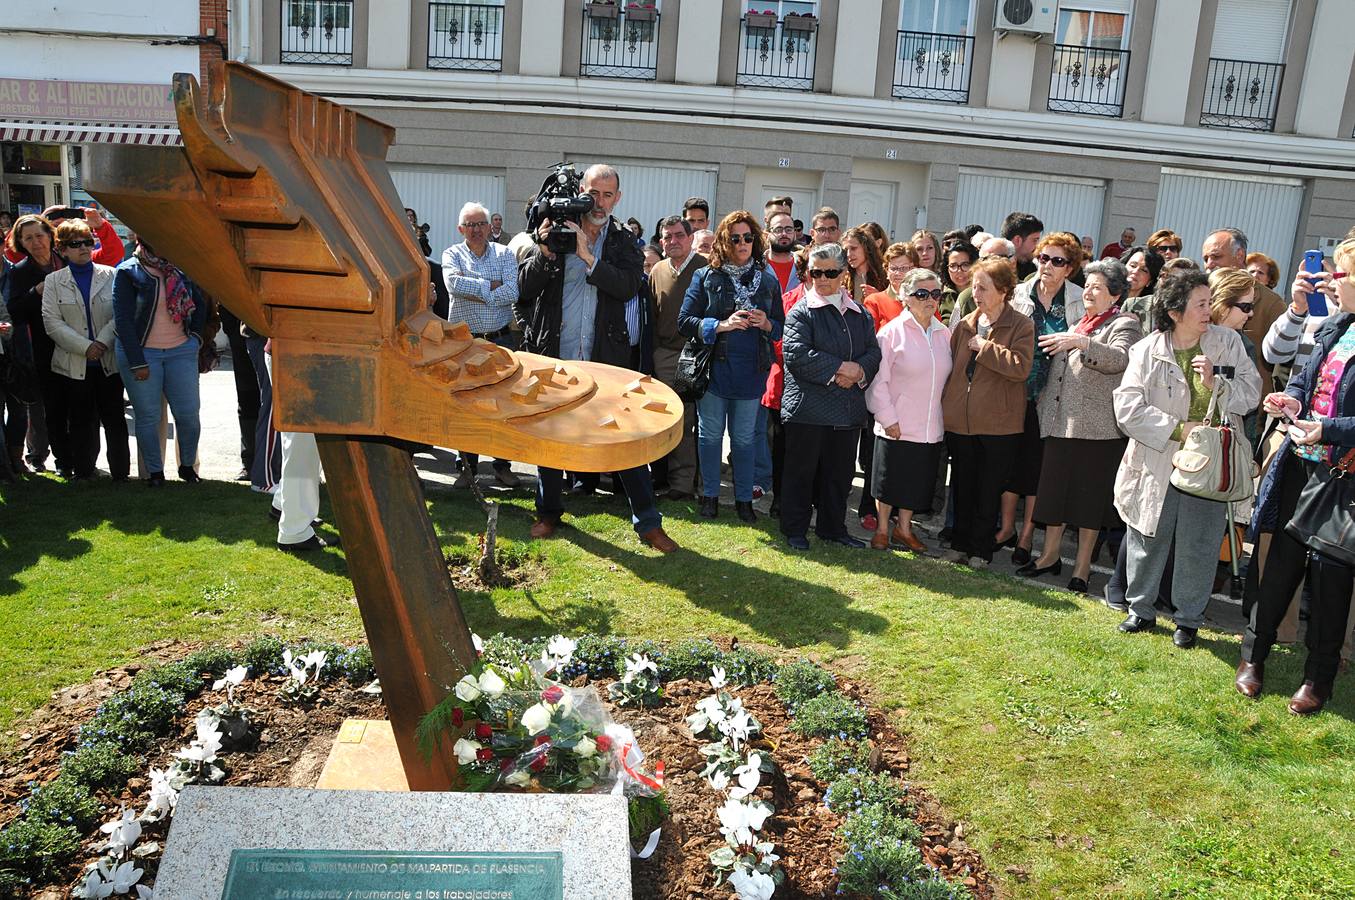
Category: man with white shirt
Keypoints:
(668, 283)
(482, 286)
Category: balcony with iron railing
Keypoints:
(466, 36)
(777, 54)
(317, 32)
(619, 41)
(930, 66)
(1088, 80)
(1241, 94)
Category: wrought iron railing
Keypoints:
(623, 45)
(930, 66)
(1241, 94)
(1088, 80)
(317, 32)
(775, 55)
(465, 36)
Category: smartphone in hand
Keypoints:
(1317, 301)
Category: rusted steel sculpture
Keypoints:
(280, 204)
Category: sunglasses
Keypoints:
(1245, 307)
(736, 239)
(78, 243)
(1059, 261)
(921, 294)
(1171, 248)
(824, 273)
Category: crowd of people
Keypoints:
(1014, 384)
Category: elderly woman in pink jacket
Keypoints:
(905, 398)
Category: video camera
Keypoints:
(560, 200)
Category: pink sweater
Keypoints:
(913, 369)
(165, 333)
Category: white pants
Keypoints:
(298, 493)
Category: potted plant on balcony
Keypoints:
(800, 21)
(763, 20)
(641, 12)
(602, 9)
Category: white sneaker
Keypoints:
(978, 562)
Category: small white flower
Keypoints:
(559, 651)
(468, 689)
(124, 876)
(163, 797)
(145, 893)
(491, 684)
(742, 816)
(637, 664)
(737, 727)
(465, 750)
(717, 678)
(233, 678)
(477, 643)
(123, 832)
(750, 884)
(537, 718)
(316, 658)
(719, 779)
(749, 777)
(585, 747)
(518, 778)
(95, 887)
(295, 667)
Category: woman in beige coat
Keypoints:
(77, 313)
(1163, 395)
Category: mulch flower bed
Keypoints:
(294, 741)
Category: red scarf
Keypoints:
(1090, 323)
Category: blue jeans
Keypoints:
(712, 414)
(173, 373)
(644, 511)
(762, 450)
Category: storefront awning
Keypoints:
(52, 132)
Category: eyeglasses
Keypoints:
(78, 243)
(824, 273)
(1048, 260)
(474, 224)
(1170, 248)
(826, 229)
(960, 266)
(921, 294)
(897, 270)
(737, 239)
(1245, 307)
(784, 229)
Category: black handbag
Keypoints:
(1324, 518)
(693, 370)
(18, 379)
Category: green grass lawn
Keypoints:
(1101, 764)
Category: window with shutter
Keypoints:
(1252, 30)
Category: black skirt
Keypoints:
(903, 473)
(1077, 482)
(1026, 468)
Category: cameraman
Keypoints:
(574, 307)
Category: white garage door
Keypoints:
(437, 195)
(1194, 203)
(986, 196)
(649, 193)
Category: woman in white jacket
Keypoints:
(1164, 394)
(77, 313)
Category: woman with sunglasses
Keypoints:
(1144, 265)
(33, 238)
(1233, 304)
(958, 262)
(1083, 445)
(77, 314)
(1054, 304)
(983, 405)
(1165, 243)
(831, 355)
(905, 398)
(734, 304)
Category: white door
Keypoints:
(804, 202)
(1194, 204)
(986, 196)
(873, 201)
(437, 195)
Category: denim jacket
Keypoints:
(135, 292)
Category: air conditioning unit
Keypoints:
(1025, 16)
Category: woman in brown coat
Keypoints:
(984, 405)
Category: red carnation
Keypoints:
(458, 717)
(553, 694)
(603, 742)
(484, 754)
(483, 731)
(538, 764)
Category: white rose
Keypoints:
(492, 684)
(468, 689)
(585, 748)
(536, 719)
(518, 778)
(465, 750)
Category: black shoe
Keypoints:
(1184, 638)
(1010, 542)
(745, 511)
(1133, 624)
(798, 542)
(1021, 556)
(847, 540)
(242, 475)
(155, 480)
(775, 509)
(710, 507)
(187, 474)
(676, 494)
(1077, 585)
(1030, 570)
(945, 535)
(314, 542)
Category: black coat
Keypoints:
(617, 276)
(817, 340)
(25, 308)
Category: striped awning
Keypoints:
(58, 132)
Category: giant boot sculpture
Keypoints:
(281, 206)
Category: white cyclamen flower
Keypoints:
(750, 884)
(537, 718)
(468, 689)
(585, 747)
(749, 776)
(123, 832)
(491, 684)
(465, 750)
(561, 649)
(637, 664)
(233, 678)
(741, 816)
(737, 727)
(719, 779)
(316, 658)
(478, 644)
(95, 886)
(717, 678)
(208, 739)
(124, 876)
(163, 797)
(144, 893)
(296, 667)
